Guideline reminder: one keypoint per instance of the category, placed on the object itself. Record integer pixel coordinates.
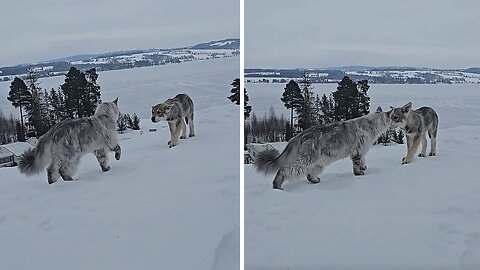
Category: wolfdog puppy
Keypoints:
(178, 112)
(415, 123)
(64, 144)
(315, 148)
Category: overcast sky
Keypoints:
(33, 30)
(422, 33)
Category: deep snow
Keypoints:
(157, 208)
(424, 215)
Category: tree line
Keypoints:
(350, 100)
(77, 97)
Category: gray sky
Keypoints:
(422, 33)
(33, 30)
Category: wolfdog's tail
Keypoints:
(34, 160)
(269, 161)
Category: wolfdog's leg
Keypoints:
(409, 144)
(190, 126)
(433, 141)
(52, 172)
(184, 128)
(171, 127)
(357, 164)
(412, 150)
(423, 140)
(176, 133)
(113, 145)
(363, 164)
(68, 169)
(313, 174)
(102, 159)
(279, 179)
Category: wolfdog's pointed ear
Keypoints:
(115, 101)
(407, 107)
(379, 109)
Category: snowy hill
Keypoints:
(232, 43)
(157, 208)
(425, 215)
(128, 59)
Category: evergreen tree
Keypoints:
(135, 122)
(75, 83)
(81, 93)
(91, 97)
(50, 121)
(327, 110)
(37, 109)
(362, 98)
(20, 132)
(19, 97)
(399, 137)
(246, 108)
(292, 99)
(56, 104)
(122, 123)
(235, 96)
(129, 120)
(288, 131)
(305, 113)
(317, 111)
(345, 99)
(351, 99)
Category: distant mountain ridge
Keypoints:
(232, 43)
(386, 75)
(127, 59)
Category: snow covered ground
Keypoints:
(157, 208)
(425, 215)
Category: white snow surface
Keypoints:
(157, 208)
(424, 215)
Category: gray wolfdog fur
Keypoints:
(178, 112)
(315, 148)
(64, 144)
(415, 123)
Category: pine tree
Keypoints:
(20, 132)
(37, 108)
(288, 131)
(91, 97)
(351, 99)
(399, 137)
(122, 123)
(55, 107)
(292, 99)
(129, 120)
(327, 110)
(345, 99)
(317, 111)
(246, 108)
(362, 98)
(74, 84)
(135, 122)
(235, 96)
(19, 97)
(81, 93)
(50, 121)
(305, 114)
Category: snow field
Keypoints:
(424, 215)
(157, 208)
